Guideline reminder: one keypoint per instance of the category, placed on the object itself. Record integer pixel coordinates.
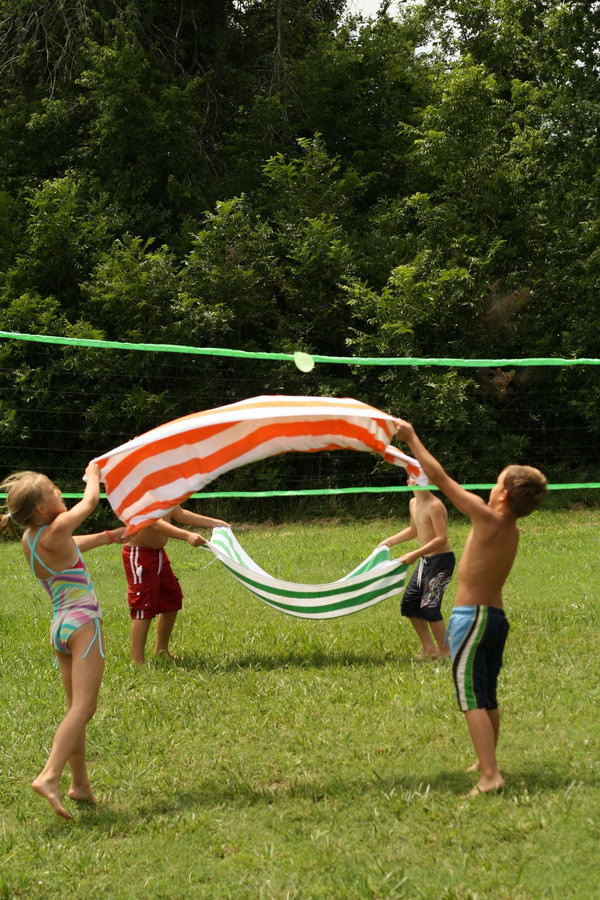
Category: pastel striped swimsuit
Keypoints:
(73, 598)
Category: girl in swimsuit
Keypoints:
(54, 555)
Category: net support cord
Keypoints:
(328, 492)
(334, 360)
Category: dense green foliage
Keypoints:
(268, 175)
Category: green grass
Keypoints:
(283, 758)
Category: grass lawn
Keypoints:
(283, 758)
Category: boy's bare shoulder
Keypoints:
(436, 504)
(494, 523)
(430, 510)
(437, 500)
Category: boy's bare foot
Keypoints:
(441, 654)
(82, 795)
(164, 654)
(429, 654)
(49, 791)
(487, 786)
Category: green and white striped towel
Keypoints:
(376, 578)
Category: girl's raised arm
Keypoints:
(66, 522)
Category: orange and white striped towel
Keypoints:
(149, 475)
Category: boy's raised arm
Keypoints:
(467, 503)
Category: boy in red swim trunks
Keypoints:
(153, 589)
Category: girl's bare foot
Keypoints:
(487, 786)
(49, 791)
(474, 767)
(82, 794)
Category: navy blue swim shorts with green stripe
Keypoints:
(477, 635)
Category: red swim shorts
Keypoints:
(152, 586)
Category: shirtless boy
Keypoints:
(153, 589)
(478, 627)
(422, 600)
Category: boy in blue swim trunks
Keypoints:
(478, 627)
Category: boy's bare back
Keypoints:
(487, 559)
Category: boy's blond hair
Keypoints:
(526, 488)
(24, 491)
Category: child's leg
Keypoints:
(169, 603)
(139, 633)
(484, 729)
(494, 716)
(422, 629)
(69, 740)
(80, 789)
(164, 626)
(439, 632)
(80, 784)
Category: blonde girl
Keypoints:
(54, 556)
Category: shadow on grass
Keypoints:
(544, 778)
(309, 659)
(240, 794)
(400, 792)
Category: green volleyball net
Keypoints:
(66, 400)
